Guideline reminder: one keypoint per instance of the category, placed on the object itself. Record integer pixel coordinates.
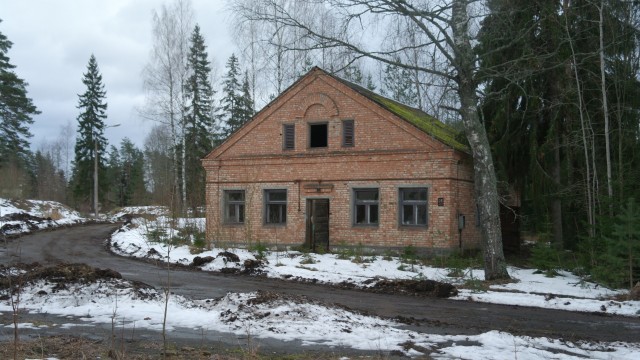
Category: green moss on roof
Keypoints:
(430, 125)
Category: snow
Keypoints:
(565, 291)
(287, 318)
(50, 214)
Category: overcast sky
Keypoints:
(52, 43)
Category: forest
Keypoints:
(547, 94)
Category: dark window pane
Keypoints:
(318, 135)
(367, 195)
(422, 215)
(241, 213)
(373, 214)
(235, 195)
(277, 196)
(361, 213)
(414, 194)
(273, 211)
(407, 214)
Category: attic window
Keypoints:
(289, 137)
(347, 133)
(318, 135)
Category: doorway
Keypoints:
(317, 236)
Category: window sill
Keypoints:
(413, 227)
(230, 224)
(272, 225)
(365, 226)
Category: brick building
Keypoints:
(329, 163)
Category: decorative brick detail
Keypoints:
(388, 154)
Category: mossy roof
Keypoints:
(423, 121)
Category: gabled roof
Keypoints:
(418, 118)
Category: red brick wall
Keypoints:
(388, 153)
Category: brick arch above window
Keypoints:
(310, 104)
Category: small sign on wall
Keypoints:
(440, 201)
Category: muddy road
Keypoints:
(87, 244)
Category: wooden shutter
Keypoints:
(289, 137)
(347, 133)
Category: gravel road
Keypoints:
(87, 244)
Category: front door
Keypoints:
(318, 224)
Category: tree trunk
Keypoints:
(556, 204)
(605, 111)
(485, 180)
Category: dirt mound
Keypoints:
(59, 274)
(199, 261)
(22, 217)
(30, 221)
(228, 256)
(429, 288)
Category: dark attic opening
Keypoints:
(318, 135)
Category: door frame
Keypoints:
(309, 233)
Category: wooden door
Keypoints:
(318, 224)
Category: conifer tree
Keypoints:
(129, 180)
(398, 84)
(246, 101)
(201, 132)
(16, 111)
(90, 142)
(231, 108)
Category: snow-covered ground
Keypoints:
(22, 216)
(267, 315)
(530, 288)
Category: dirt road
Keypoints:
(440, 316)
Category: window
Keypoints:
(234, 206)
(318, 135)
(347, 133)
(275, 204)
(365, 207)
(289, 137)
(413, 206)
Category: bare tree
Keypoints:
(159, 167)
(165, 77)
(444, 27)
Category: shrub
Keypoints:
(546, 259)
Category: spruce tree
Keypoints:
(202, 134)
(231, 114)
(246, 105)
(90, 142)
(128, 175)
(16, 111)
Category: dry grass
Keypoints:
(73, 347)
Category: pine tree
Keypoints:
(231, 115)
(16, 111)
(201, 133)
(90, 142)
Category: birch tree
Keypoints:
(446, 26)
(165, 77)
